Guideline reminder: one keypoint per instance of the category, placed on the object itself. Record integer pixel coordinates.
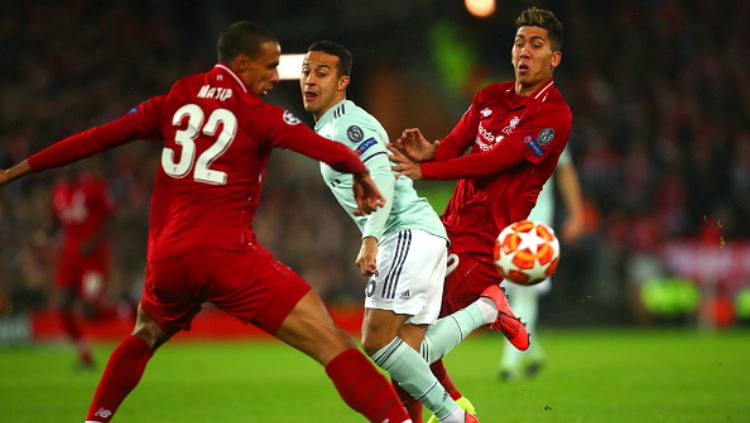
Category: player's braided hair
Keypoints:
(335, 49)
(243, 37)
(542, 18)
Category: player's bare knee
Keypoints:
(329, 344)
(413, 335)
(374, 340)
(148, 330)
(336, 341)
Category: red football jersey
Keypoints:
(217, 140)
(81, 206)
(515, 142)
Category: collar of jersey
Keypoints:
(516, 101)
(229, 70)
(328, 115)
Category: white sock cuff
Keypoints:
(487, 308)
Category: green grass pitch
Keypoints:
(591, 376)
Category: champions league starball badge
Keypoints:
(290, 119)
(545, 136)
(355, 133)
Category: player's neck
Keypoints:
(527, 90)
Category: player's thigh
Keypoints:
(466, 282)
(254, 287)
(310, 329)
(174, 291)
(409, 277)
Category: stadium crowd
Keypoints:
(660, 137)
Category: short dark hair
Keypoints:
(542, 18)
(243, 37)
(338, 50)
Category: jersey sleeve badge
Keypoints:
(534, 145)
(545, 136)
(355, 133)
(290, 119)
(362, 148)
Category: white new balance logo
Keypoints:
(103, 412)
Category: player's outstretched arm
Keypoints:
(366, 194)
(403, 165)
(415, 146)
(15, 172)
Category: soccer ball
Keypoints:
(526, 252)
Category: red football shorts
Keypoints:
(466, 282)
(250, 285)
(87, 276)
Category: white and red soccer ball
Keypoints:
(526, 252)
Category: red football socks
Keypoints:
(413, 406)
(72, 328)
(438, 369)
(122, 374)
(364, 389)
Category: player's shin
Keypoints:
(413, 374)
(364, 389)
(449, 331)
(123, 372)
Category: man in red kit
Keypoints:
(217, 136)
(514, 131)
(81, 206)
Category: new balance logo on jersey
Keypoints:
(214, 93)
(486, 112)
(103, 412)
(511, 125)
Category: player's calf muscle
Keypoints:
(309, 329)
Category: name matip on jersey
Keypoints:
(217, 140)
(514, 144)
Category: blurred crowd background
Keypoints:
(661, 133)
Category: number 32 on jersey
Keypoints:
(186, 138)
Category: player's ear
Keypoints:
(556, 58)
(240, 62)
(343, 82)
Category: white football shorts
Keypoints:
(410, 276)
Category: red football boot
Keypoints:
(470, 418)
(507, 323)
